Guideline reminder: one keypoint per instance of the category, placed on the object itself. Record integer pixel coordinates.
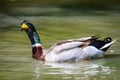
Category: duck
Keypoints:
(67, 50)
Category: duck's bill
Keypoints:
(24, 27)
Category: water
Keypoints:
(75, 71)
(36, 70)
(15, 49)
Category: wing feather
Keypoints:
(72, 43)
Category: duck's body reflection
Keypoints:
(79, 70)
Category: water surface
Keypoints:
(15, 48)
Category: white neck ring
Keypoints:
(36, 44)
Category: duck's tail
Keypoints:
(103, 44)
(107, 45)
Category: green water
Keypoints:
(15, 48)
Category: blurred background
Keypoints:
(81, 17)
(55, 7)
(58, 20)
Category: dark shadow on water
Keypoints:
(112, 56)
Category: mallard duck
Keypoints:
(73, 49)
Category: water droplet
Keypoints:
(111, 51)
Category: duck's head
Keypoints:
(27, 27)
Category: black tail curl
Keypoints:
(107, 40)
(100, 43)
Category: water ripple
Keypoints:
(70, 70)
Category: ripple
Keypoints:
(70, 70)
